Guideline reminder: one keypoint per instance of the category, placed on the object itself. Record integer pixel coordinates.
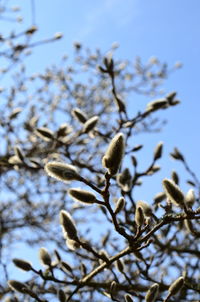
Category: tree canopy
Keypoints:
(69, 170)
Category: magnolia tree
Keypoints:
(69, 172)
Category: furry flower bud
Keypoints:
(68, 225)
(82, 195)
(124, 180)
(157, 104)
(17, 286)
(139, 216)
(114, 154)
(152, 293)
(45, 133)
(62, 171)
(72, 244)
(190, 198)
(61, 296)
(90, 124)
(128, 298)
(44, 256)
(173, 192)
(79, 115)
(158, 151)
(176, 286)
(22, 264)
(119, 205)
(147, 211)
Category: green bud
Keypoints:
(82, 195)
(62, 171)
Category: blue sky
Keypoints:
(168, 29)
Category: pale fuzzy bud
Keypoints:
(176, 154)
(153, 170)
(45, 133)
(44, 256)
(19, 153)
(17, 286)
(147, 211)
(63, 130)
(153, 60)
(173, 192)
(114, 154)
(61, 296)
(62, 171)
(90, 124)
(139, 216)
(152, 293)
(124, 180)
(157, 104)
(15, 113)
(22, 264)
(113, 287)
(190, 198)
(170, 96)
(58, 36)
(176, 286)
(31, 30)
(79, 115)
(68, 225)
(82, 195)
(119, 265)
(159, 197)
(14, 160)
(175, 177)
(72, 244)
(189, 226)
(120, 205)
(178, 65)
(128, 298)
(104, 256)
(158, 151)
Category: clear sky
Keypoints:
(168, 29)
